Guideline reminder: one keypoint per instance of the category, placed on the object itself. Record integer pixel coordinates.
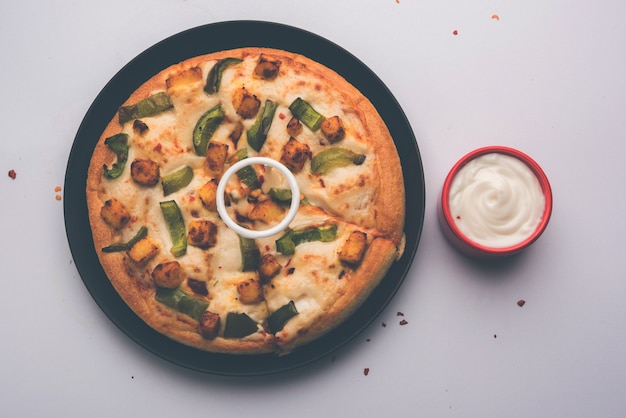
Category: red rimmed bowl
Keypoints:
(493, 206)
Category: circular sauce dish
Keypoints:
(495, 202)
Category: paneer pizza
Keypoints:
(151, 195)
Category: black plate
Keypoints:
(198, 41)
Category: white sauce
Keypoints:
(496, 200)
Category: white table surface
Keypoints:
(547, 78)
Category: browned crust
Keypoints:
(359, 284)
(389, 206)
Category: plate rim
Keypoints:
(148, 63)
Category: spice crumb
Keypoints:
(495, 336)
(58, 197)
(455, 32)
(495, 16)
(12, 174)
(384, 325)
(521, 302)
(366, 371)
(403, 322)
(399, 313)
(58, 188)
(368, 340)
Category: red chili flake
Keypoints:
(12, 174)
(399, 313)
(158, 147)
(366, 371)
(281, 115)
(403, 322)
(521, 302)
(192, 198)
(267, 248)
(458, 217)
(455, 32)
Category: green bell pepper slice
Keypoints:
(334, 157)
(257, 134)
(291, 239)
(125, 246)
(277, 320)
(306, 114)
(239, 325)
(182, 302)
(176, 227)
(206, 127)
(149, 106)
(176, 180)
(119, 145)
(250, 254)
(214, 79)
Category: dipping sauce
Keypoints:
(496, 200)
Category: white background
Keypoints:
(547, 78)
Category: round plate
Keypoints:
(203, 40)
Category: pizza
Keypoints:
(151, 196)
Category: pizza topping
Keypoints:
(287, 243)
(268, 267)
(209, 325)
(246, 104)
(266, 211)
(306, 114)
(176, 226)
(246, 174)
(169, 274)
(266, 68)
(334, 157)
(208, 194)
(250, 254)
(176, 180)
(239, 325)
(332, 128)
(280, 195)
(182, 302)
(235, 134)
(202, 233)
(140, 127)
(119, 145)
(295, 154)
(149, 106)
(294, 127)
(143, 251)
(113, 248)
(114, 213)
(214, 79)
(277, 320)
(198, 287)
(250, 291)
(353, 248)
(258, 131)
(215, 158)
(145, 172)
(185, 77)
(205, 128)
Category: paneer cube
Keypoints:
(208, 194)
(145, 172)
(268, 267)
(202, 233)
(294, 126)
(250, 291)
(332, 128)
(185, 77)
(267, 68)
(209, 325)
(169, 274)
(353, 248)
(245, 103)
(114, 214)
(266, 211)
(216, 154)
(295, 154)
(143, 251)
